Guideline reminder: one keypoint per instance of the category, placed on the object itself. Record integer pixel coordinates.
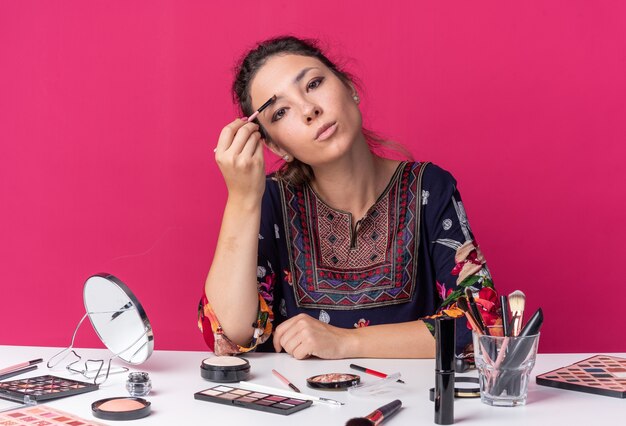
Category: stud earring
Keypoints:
(286, 157)
(356, 98)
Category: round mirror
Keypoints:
(118, 318)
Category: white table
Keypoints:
(176, 377)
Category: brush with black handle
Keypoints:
(376, 417)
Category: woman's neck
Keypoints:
(354, 183)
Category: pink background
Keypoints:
(109, 112)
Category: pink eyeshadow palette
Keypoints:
(42, 415)
(43, 388)
(254, 400)
(600, 374)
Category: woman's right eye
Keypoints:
(278, 114)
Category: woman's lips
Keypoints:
(326, 132)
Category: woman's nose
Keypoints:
(311, 112)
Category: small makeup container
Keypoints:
(225, 369)
(444, 370)
(121, 408)
(333, 381)
(138, 384)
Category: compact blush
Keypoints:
(225, 369)
(121, 408)
(333, 381)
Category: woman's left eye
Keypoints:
(315, 83)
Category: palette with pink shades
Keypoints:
(278, 404)
(43, 388)
(43, 415)
(600, 374)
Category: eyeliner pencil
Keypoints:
(285, 380)
(372, 372)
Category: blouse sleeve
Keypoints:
(457, 260)
(267, 261)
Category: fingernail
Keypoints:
(244, 118)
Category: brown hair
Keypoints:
(296, 172)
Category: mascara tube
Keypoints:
(444, 370)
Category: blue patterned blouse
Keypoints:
(394, 266)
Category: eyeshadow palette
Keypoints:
(42, 415)
(600, 374)
(254, 400)
(42, 388)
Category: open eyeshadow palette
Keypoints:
(42, 388)
(254, 400)
(42, 415)
(600, 374)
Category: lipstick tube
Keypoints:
(444, 370)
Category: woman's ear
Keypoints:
(271, 145)
(354, 93)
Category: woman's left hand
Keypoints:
(303, 336)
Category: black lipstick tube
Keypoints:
(444, 370)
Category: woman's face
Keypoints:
(314, 118)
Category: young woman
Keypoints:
(342, 251)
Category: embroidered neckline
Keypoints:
(381, 272)
(380, 198)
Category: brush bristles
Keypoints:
(517, 300)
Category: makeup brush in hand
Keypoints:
(517, 301)
(376, 417)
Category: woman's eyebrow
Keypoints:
(296, 80)
(302, 73)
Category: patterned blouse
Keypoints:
(408, 254)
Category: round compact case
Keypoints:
(333, 381)
(121, 408)
(225, 369)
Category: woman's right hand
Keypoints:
(239, 155)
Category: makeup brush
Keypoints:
(518, 353)
(376, 417)
(517, 301)
(504, 304)
(269, 102)
(464, 306)
(21, 366)
(475, 311)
